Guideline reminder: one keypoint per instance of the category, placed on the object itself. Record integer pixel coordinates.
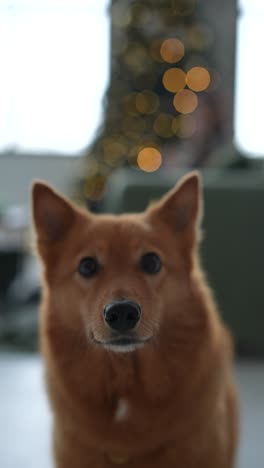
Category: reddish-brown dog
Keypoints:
(139, 364)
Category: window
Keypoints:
(54, 70)
(249, 82)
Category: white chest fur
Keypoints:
(122, 410)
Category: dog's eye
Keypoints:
(88, 267)
(150, 263)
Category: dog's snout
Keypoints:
(122, 315)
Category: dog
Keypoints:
(138, 362)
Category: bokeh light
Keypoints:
(163, 125)
(198, 78)
(149, 159)
(184, 126)
(174, 79)
(114, 150)
(155, 50)
(129, 103)
(120, 14)
(137, 58)
(95, 186)
(93, 167)
(185, 101)
(162, 59)
(172, 50)
(199, 37)
(147, 102)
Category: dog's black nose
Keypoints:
(123, 315)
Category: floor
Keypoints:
(25, 419)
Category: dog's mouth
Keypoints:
(122, 344)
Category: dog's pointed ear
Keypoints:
(181, 207)
(53, 215)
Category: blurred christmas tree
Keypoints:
(170, 97)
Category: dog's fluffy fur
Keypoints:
(170, 402)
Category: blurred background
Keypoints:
(111, 102)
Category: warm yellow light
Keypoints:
(172, 50)
(174, 79)
(198, 78)
(185, 101)
(149, 159)
(147, 102)
(163, 125)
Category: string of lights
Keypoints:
(161, 67)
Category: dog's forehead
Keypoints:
(123, 227)
(110, 231)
